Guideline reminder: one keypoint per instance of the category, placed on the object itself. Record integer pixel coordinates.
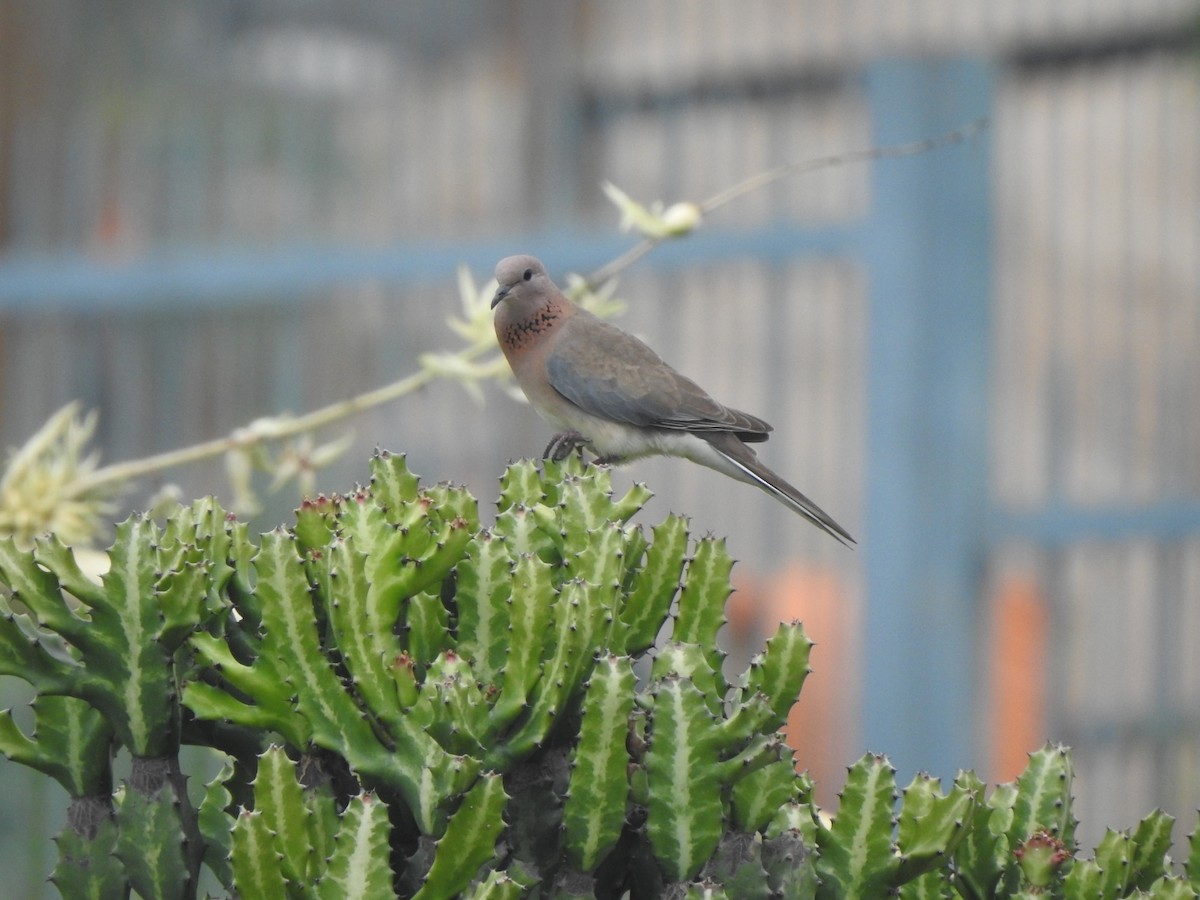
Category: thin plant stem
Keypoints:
(280, 428)
(762, 179)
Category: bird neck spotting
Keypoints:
(607, 391)
(524, 332)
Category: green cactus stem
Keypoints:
(1191, 865)
(528, 618)
(790, 860)
(595, 806)
(857, 858)
(658, 579)
(931, 825)
(757, 797)
(158, 840)
(71, 743)
(88, 867)
(469, 841)
(392, 483)
(690, 661)
(116, 652)
(780, 670)
(358, 868)
(483, 588)
(702, 601)
(983, 855)
(1151, 844)
(284, 811)
(216, 825)
(255, 860)
(684, 813)
(1043, 800)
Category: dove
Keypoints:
(605, 390)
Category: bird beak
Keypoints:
(501, 293)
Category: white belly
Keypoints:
(627, 442)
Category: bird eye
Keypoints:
(528, 274)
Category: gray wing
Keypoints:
(610, 373)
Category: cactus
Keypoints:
(857, 857)
(594, 813)
(216, 825)
(469, 839)
(358, 867)
(88, 866)
(410, 704)
(158, 839)
(930, 826)
(684, 803)
(70, 744)
(1151, 843)
(112, 647)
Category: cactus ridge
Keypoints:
(594, 814)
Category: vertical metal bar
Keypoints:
(927, 247)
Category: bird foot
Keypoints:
(563, 445)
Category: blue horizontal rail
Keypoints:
(1057, 523)
(204, 277)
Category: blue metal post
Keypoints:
(928, 255)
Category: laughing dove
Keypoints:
(606, 390)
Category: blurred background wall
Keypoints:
(983, 361)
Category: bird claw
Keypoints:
(563, 445)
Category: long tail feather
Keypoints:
(744, 459)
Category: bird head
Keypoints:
(521, 279)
